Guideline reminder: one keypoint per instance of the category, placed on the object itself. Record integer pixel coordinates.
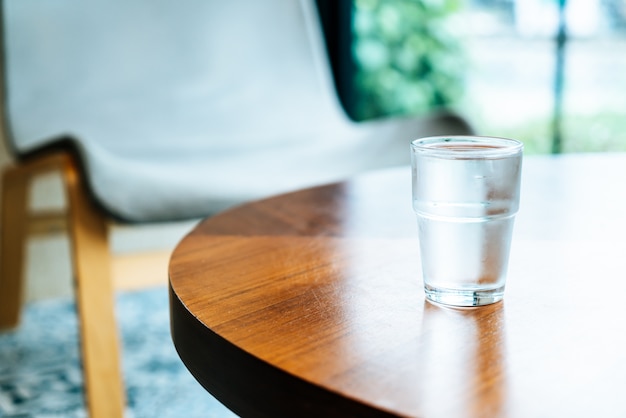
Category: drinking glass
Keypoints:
(465, 195)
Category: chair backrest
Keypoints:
(182, 108)
(164, 76)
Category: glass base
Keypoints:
(464, 297)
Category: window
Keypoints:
(549, 72)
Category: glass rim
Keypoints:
(493, 146)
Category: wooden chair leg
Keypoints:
(95, 301)
(14, 231)
(88, 232)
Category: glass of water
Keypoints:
(465, 195)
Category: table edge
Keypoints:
(263, 390)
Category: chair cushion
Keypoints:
(185, 186)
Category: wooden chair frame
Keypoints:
(87, 229)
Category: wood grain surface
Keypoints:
(311, 304)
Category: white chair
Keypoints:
(162, 110)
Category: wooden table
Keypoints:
(311, 304)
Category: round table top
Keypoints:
(311, 304)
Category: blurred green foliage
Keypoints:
(599, 132)
(407, 59)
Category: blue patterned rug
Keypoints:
(40, 374)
